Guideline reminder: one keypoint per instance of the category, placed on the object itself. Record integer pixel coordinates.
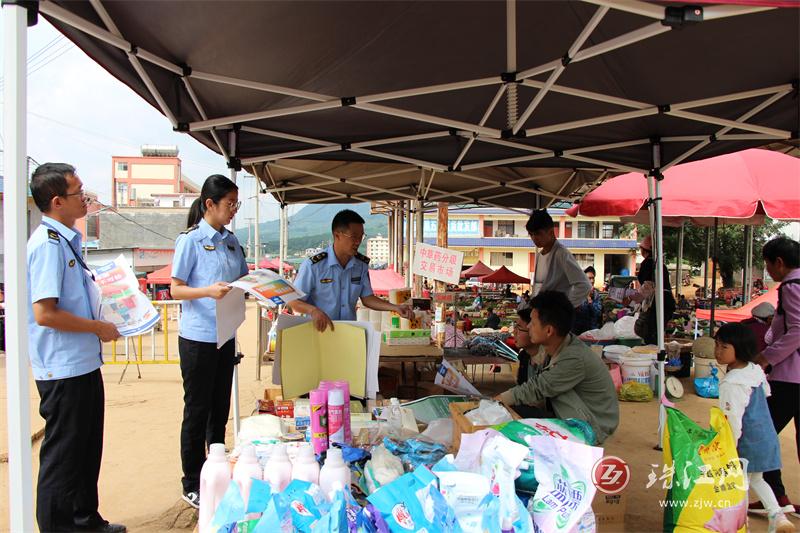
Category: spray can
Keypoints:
(319, 420)
(345, 386)
(336, 416)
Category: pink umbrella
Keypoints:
(737, 188)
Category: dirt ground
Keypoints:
(140, 477)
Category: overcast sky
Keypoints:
(80, 114)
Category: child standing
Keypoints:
(743, 398)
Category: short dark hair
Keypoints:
(344, 218)
(48, 181)
(741, 338)
(490, 310)
(554, 310)
(539, 219)
(590, 269)
(525, 314)
(785, 248)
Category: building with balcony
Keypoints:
(498, 238)
(378, 249)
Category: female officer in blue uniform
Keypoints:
(207, 258)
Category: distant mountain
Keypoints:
(311, 227)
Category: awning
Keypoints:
(742, 313)
(504, 275)
(162, 276)
(477, 270)
(383, 281)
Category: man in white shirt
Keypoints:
(556, 268)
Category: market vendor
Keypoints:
(573, 381)
(588, 314)
(336, 278)
(556, 268)
(647, 327)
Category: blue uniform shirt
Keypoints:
(204, 256)
(332, 288)
(54, 272)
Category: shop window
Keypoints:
(587, 230)
(504, 227)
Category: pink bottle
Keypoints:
(215, 476)
(305, 466)
(336, 416)
(345, 386)
(278, 471)
(335, 473)
(318, 399)
(246, 469)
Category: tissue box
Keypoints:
(461, 424)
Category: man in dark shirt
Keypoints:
(492, 320)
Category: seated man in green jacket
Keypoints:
(569, 381)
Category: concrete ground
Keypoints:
(140, 477)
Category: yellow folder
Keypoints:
(308, 357)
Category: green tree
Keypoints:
(732, 246)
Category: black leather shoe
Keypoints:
(104, 527)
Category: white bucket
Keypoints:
(702, 368)
(636, 368)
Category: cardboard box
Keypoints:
(609, 511)
(461, 424)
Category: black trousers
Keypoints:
(784, 405)
(207, 376)
(69, 459)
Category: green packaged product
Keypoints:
(635, 392)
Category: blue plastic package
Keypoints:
(260, 493)
(406, 503)
(415, 452)
(277, 517)
(445, 464)
(306, 503)
(230, 509)
(708, 387)
(370, 520)
(336, 520)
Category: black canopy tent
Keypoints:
(458, 101)
(457, 88)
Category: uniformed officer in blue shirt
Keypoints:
(335, 279)
(65, 354)
(207, 258)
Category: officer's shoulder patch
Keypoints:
(319, 257)
(189, 230)
(52, 235)
(362, 257)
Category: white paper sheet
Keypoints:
(451, 379)
(120, 300)
(230, 315)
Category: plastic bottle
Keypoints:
(246, 469)
(336, 416)
(319, 419)
(215, 476)
(278, 470)
(334, 473)
(345, 386)
(305, 466)
(507, 526)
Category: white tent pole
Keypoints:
(15, 198)
(658, 252)
(235, 383)
(409, 244)
(747, 278)
(257, 255)
(420, 217)
(679, 270)
(281, 236)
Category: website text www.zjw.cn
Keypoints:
(695, 504)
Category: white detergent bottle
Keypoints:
(246, 469)
(306, 467)
(215, 476)
(278, 471)
(335, 473)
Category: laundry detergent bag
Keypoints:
(705, 481)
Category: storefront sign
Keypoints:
(437, 263)
(445, 298)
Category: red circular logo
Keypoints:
(611, 474)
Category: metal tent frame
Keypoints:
(474, 161)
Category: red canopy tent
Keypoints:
(162, 276)
(737, 315)
(738, 188)
(383, 281)
(273, 264)
(504, 275)
(477, 270)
